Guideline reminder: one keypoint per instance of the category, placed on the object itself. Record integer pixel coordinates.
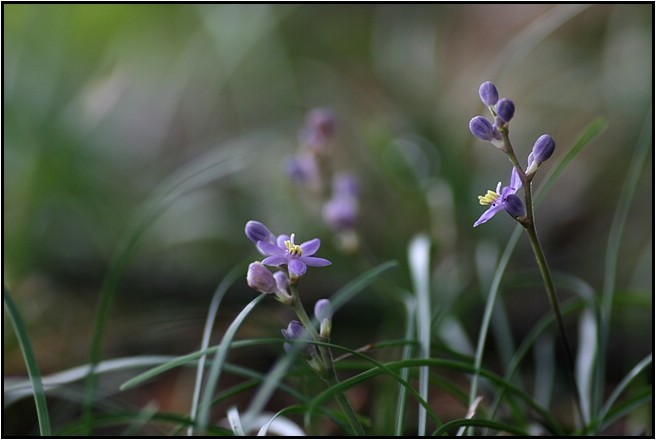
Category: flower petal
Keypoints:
(492, 210)
(281, 241)
(311, 247)
(269, 249)
(296, 267)
(514, 205)
(515, 181)
(316, 261)
(275, 260)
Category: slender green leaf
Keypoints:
(219, 360)
(30, 362)
(419, 261)
(502, 428)
(220, 291)
(410, 307)
(235, 422)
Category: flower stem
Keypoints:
(529, 225)
(328, 374)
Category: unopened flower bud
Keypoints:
(323, 311)
(259, 278)
(481, 128)
(256, 231)
(292, 334)
(319, 129)
(346, 184)
(505, 110)
(542, 150)
(514, 205)
(282, 286)
(488, 93)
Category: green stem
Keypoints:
(528, 223)
(328, 373)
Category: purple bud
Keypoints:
(488, 93)
(282, 281)
(543, 148)
(302, 168)
(481, 128)
(319, 129)
(323, 310)
(505, 110)
(341, 212)
(293, 332)
(259, 278)
(514, 205)
(256, 231)
(346, 184)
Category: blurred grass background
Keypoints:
(104, 102)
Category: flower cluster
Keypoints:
(282, 251)
(292, 260)
(496, 133)
(310, 169)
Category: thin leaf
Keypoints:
(410, 308)
(502, 428)
(221, 289)
(30, 362)
(642, 149)
(419, 261)
(585, 360)
(235, 422)
(219, 360)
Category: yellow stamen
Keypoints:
(489, 198)
(292, 248)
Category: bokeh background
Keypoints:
(103, 104)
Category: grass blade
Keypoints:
(219, 360)
(222, 288)
(30, 362)
(642, 149)
(235, 422)
(419, 261)
(411, 310)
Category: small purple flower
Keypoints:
(341, 212)
(542, 150)
(505, 110)
(296, 257)
(303, 168)
(488, 93)
(292, 334)
(259, 278)
(502, 199)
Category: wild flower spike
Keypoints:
(542, 150)
(488, 93)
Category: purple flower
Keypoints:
(341, 212)
(505, 110)
(502, 199)
(292, 334)
(259, 278)
(488, 93)
(296, 257)
(542, 150)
